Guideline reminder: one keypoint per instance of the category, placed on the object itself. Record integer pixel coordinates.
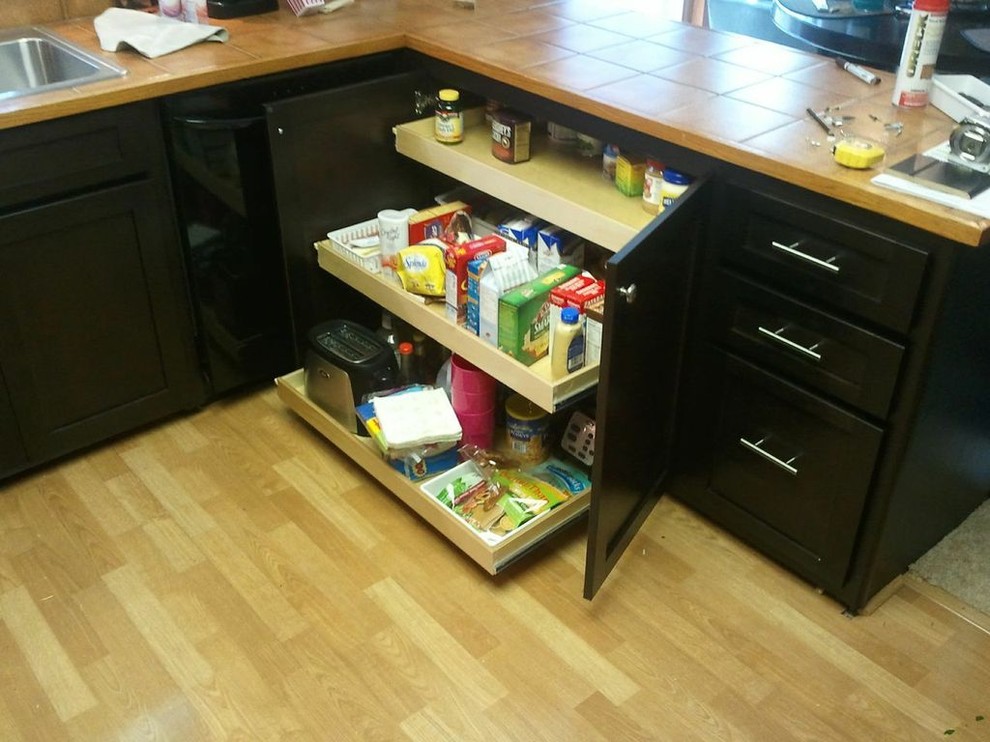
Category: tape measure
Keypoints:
(858, 153)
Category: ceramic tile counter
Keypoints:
(735, 98)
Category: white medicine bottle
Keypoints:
(568, 344)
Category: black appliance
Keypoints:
(255, 287)
(238, 8)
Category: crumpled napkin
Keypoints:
(149, 34)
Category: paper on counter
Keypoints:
(151, 35)
(979, 204)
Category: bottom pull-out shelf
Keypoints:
(492, 557)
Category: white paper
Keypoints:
(151, 35)
(416, 418)
(979, 205)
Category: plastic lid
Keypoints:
(449, 95)
(569, 315)
(654, 164)
(676, 177)
(932, 6)
(405, 348)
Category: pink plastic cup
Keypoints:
(477, 428)
(466, 377)
(472, 402)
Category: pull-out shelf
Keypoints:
(533, 382)
(556, 184)
(492, 558)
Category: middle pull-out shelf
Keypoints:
(533, 382)
(491, 557)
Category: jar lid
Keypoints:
(449, 95)
(676, 177)
(654, 164)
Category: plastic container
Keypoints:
(568, 344)
(674, 184)
(526, 427)
(407, 372)
(652, 185)
(449, 119)
(610, 154)
(170, 9)
(466, 377)
(477, 428)
(926, 25)
(386, 331)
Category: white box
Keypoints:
(505, 271)
(946, 96)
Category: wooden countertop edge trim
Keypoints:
(146, 88)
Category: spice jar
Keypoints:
(652, 186)
(449, 119)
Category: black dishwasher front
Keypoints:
(241, 290)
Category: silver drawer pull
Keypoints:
(755, 448)
(792, 250)
(776, 336)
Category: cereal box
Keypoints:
(456, 258)
(524, 316)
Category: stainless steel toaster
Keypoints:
(344, 362)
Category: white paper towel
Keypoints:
(149, 34)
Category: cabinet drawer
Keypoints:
(809, 253)
(793, 463)
(62, 156)
(840, 359)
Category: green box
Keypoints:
(524, 316)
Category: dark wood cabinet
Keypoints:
(95, 336)
(818, 361)
(12, 454)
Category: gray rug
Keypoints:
(960, 562)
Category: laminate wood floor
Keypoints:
(227, 575)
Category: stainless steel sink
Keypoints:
(33, 60)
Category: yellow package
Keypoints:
(421, 268)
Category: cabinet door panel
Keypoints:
(646, 302)
(330, 151)
(793, 462)
(92, 335)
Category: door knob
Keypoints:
(629, 292)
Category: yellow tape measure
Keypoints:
(858, 153)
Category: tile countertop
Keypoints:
(735, 98)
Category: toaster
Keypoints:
(344, 362)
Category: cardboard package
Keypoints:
(524, 316)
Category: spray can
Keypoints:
(921, 44)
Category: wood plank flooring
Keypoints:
(228, 575)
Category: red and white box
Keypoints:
(577, 292)
(457, 257)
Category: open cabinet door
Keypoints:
(648, 287)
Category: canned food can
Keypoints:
(526, 427)
(510, 135)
